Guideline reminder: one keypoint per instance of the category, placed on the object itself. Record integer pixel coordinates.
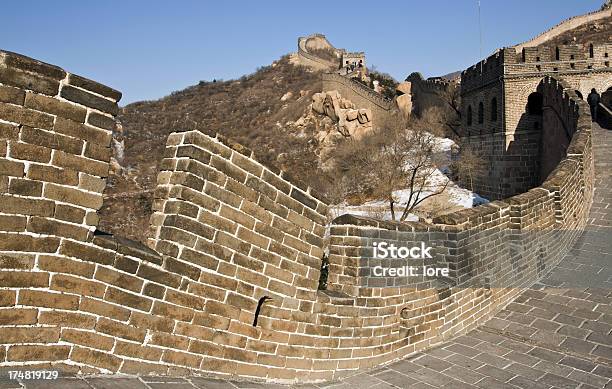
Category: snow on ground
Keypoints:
(455, 195)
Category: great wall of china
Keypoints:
(384, 111)
(228, 284)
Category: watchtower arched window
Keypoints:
(534, 103)
(557, 53)
(469, 115)
(591, 52)
(494, 109)
(480, 113)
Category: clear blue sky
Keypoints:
(149, 48)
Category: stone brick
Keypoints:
(237, 216)
(184, 299)
(104, 309)
(160, 276)
(36, 298)
(178, 236)
(89, 100)
(11, 95)
(17, 261)
(85, 132)
(55, 107)
(154, 290)
(88, 339)
(217, 222)
(120, 330)
(138, 351)
(71, 284)
(18, 316)
(126, 264)
(28, 117)
(181, 268)
(73, 196)
(53, 227)
(228, 169)
(9, 131)
(80, 164)
(119, 279)
(97, 152)
(135, 367)
(247, 164)
(101, 121)
(152, 322)
(16, 242)
(53, 174)
(87, 253)
(69, 213)
(29, 152)
(91, 183)
(12, 223)
(190, 225)
(182, 359)
(12, 335)
(95, 358)
(172, 311)
(27, 353)
(25, 187)
(67, 319)
(37, 83)
(7, 298)
(14, 60)
(128, 299)
(51, 140)
(11, 168)
(93, 86)
(27, 279)
(64, 265)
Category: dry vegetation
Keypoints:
(248, 110)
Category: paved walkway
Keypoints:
(555, 335)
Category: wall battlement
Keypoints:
(428, 84)
(228, 285)
(537, 62)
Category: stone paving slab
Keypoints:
(557, 334)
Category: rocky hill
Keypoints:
(253, 110)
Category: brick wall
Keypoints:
(228, 284)
(427, 93)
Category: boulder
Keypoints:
(317, 103)
(404, 103)
(364, 115)
(351, 114)
(404, 87)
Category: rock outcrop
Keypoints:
(351, 121)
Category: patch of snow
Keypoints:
(458, 196)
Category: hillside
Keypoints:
(597, 33)
(252, 110)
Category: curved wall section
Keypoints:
(228, 285)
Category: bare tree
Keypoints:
(390, 160)
(468, 166)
